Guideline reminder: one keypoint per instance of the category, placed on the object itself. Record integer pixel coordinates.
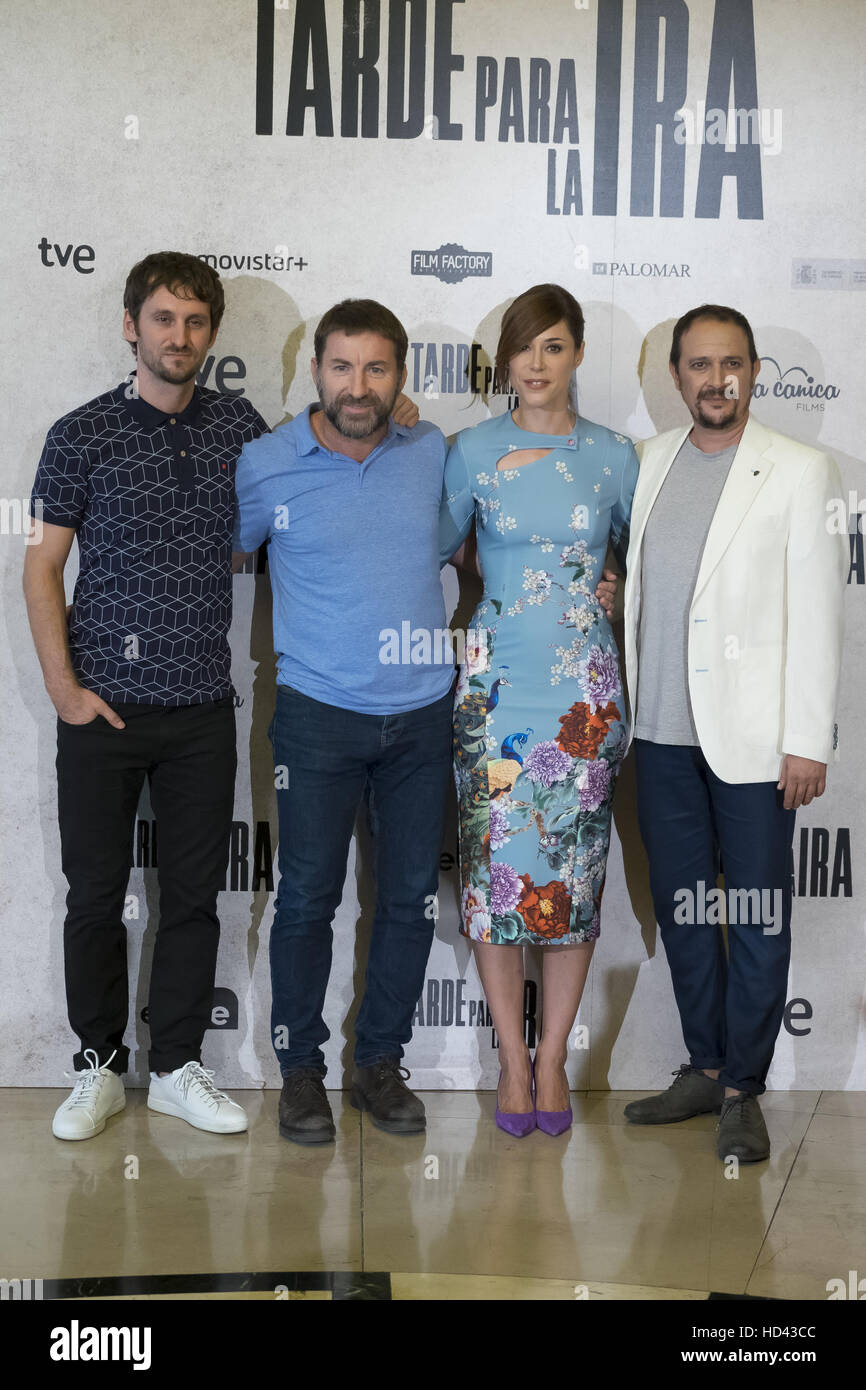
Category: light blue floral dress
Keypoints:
(539, 729)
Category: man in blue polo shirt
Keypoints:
(140, 678)
(349, 501)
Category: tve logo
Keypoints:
(79, 255)
(224, 1009)
(224, 370)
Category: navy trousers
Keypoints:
(693, 824)
(330, 757)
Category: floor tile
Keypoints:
(818, 1234)
(842, 1103)
(616, 1203)
(200, 1202)
(470, 1287)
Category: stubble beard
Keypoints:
(348, 425)
(175, 376)
(716, 422)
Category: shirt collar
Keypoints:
(308, 443)
(148, 415)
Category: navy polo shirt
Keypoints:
(151, 499)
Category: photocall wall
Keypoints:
(441, 156)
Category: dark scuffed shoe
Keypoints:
(690, 1093)
(305, 1115)
(741, 1132)
(381, 1090)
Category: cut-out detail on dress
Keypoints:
(519, 458)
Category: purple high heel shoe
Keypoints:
(551, 1122)
(518, 1125)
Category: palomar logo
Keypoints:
(452, 263)
(644, 270)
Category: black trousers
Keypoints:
(189, 757)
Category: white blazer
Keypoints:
(765, 622)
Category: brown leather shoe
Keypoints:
(381, 1090)
(305, 1115)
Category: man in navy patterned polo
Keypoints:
(140, 678)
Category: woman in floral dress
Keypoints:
(539, 715)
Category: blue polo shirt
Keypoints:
(151, 499)
(359, 615)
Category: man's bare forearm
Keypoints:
(46, 612)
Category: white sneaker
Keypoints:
(189, 1093)
(97, 1094)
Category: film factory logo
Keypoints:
(452, 263)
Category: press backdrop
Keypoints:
(441, 157)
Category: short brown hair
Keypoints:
(722, 314)
(530, 314)
(184, 275)
(362, 316)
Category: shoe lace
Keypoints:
(88, 1083)
(728, 1104)
(194, 1074)
(730, 1101)
(391, 1070)
(301, 1079)
(682, 1072)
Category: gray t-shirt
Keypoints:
(673, 545)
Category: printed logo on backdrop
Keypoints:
(224, 1009)
(452, 369)
(251, 855)
(371, 74)
(828, 275)
(218, 373)
(644, 270)
(79, 257)
(452, 263)
(443, 1004)
(277, 258)
(820, 866)
(793, 384)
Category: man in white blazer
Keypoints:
(733, 639)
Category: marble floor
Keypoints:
(154, 1208)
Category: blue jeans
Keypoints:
(690, 822)
(330, 756)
